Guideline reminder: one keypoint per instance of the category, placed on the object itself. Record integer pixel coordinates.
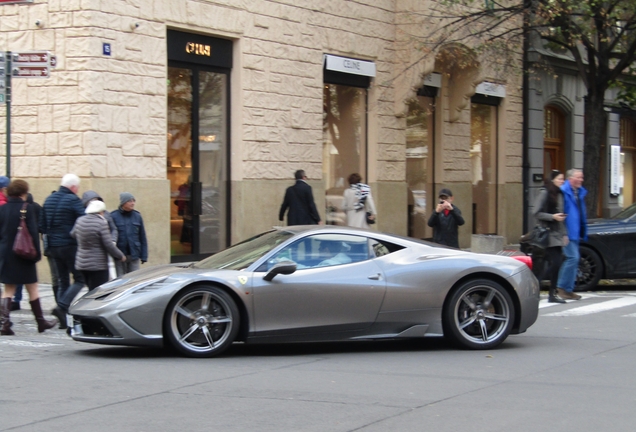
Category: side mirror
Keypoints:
(284, 267)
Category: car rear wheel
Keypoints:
(590, 270)
(201, 321)
(478, 315)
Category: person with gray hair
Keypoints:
(576, 224)
(59, 213)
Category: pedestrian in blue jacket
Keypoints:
(59, 213)
(576, 224)
(131, 239)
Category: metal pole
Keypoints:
(8, 96)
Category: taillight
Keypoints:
(524, 259)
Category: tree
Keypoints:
(599, 37)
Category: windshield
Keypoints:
(627, 213)
(242, 255)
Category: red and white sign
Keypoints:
(35, 57)
(30, 72)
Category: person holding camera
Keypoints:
(445, 220)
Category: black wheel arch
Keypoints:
(495, 278)
(599, 254)
(244, 319)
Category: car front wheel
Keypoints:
(478, 315)
(201, 321)
(589, 271)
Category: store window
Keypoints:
(627, 140)
(483, 158)
(344, 129)
(420, 137)
(197, 144)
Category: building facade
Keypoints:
(203, 110)
(555, 140)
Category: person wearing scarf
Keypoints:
(357, 202)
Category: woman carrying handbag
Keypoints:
(16, 270)
(548, 210)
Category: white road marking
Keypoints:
(596, 307)
(28, 343)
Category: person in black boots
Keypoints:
(17, 270)
(548, 210)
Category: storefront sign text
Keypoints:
(198, 49)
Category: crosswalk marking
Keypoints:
(596, 307)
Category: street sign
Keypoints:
(35, 57)
(32, 64)
(30, 72)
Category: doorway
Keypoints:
(197, 150)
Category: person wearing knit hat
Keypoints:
(125, 197)
(131, 238)
(94, 245)
(91, 195)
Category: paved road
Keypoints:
(572, 371)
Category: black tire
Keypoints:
(590, 270)
(479, 315)
(201, 321)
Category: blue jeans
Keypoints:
(570, 266)
(17, 297)
(130, 265)
(65, 262)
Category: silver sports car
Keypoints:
(314, 283)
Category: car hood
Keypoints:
(155, 276)
(596, 225)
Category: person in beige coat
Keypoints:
(94, 244)
(357, 201)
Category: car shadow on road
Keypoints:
(240, 350)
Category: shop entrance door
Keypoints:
(197, 146)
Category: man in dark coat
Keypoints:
(445, 220)
(59, 213)
(131, 237)
(299, 199)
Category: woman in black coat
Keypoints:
(16, 270)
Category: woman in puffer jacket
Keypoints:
(94, 244)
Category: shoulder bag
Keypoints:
(23, 244)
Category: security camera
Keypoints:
(38, 23)
(134, 25)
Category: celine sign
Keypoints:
(491, 89)
(198, 49)
(349, 65)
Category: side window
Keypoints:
(381, 248)
(324, 250)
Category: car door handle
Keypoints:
(375, 276)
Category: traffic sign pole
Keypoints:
(8, 97)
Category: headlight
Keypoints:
(116, 288)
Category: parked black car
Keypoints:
(610, 251)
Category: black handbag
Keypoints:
(538, 237)
(369, 220)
